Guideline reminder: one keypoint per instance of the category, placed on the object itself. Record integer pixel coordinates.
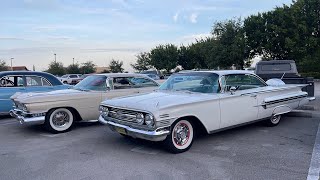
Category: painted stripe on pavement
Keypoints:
(314, 170)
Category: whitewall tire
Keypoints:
(59, 120)
(181, 136)
(273, 121)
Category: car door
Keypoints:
(238, 102)
(10, 85)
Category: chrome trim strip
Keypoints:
(283, 100)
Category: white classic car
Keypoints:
(200, 101)
(58, 110)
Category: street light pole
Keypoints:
(55, 57)
(73, 61)
(11, 64)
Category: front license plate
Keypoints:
(121, 130)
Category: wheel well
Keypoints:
(73, 110)
(200, 128)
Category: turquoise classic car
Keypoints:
(12, 82)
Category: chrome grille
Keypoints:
(122, 114)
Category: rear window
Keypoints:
(276, 67)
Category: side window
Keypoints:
(45, 82)
(121, 83)
(241, 82)
(11, 81)
(34, 81)
(142, 82)
(73, 76)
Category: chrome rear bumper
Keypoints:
(155, 135)
(27, 118)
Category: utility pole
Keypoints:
(55, 57)
(11, 64)
(73, 61)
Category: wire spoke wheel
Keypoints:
(59, 120)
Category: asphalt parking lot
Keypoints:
(92, 151)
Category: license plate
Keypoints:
(121, 130)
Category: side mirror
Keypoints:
(233, 89)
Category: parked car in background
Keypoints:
(286, 70)
(58, 110)
(155, 72)
(70, 78)
(12, 82)
(82, 78)
(200, 101)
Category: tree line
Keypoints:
(88, 67)
(286, 32)
(57, 68)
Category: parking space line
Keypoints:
(314, 170)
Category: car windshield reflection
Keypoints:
(189, 82)
(92, 83)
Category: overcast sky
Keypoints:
(32, 31)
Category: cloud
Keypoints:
(175, 17)
(193, 18)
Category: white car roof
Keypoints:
(122, 74)
(223, 72)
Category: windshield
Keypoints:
(193, 82)
(94, 83)
(64, 76)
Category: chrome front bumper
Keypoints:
(155, 135)
(27, 118)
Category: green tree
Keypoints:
(164, 57)
(88, 67)
(287, 32)
(73, 69)
(3, 66)
(115, 66)
(232, 49)
(56, 68)
(143, 62)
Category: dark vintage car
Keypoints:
(12, 82)
(286, 70)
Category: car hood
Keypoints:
(58, 95)
(154, 101)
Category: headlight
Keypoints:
(140, 118)
(24, 107)
(104, 111)
(149, 120)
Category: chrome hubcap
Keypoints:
(181, 134)
(60, 119)
(275, 119)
